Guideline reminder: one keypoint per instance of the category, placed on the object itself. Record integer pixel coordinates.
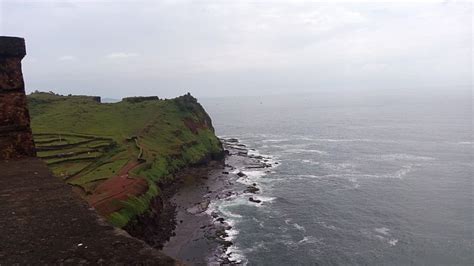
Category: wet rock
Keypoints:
(251, 189)
(240, 174)
(227, 244)
(232, 140)
(254, 200)
(221, 233)
(225, 173)
(221, 220)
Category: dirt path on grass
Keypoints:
(107, 197)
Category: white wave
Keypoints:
(223, 207)
(288, 146)
(231, 234)
(251, 176)
(403, 172)
(343, 140)
(260, 223)
(383, 233)
(404, 157)
(332, 227)
(356, 177)
(307, 138)
(309, 240)
(295, 225)
(309, 176)
(293, 151)
(255, 247)
(254, 174)
(311, 162)
(299, 227)
(465, 143)
(236, 254)
(264, 199)
(339, 166)
(393, 242)
(276, 140)
(383, 230)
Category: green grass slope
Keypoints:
(86, 142)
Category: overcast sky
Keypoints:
(226, 48)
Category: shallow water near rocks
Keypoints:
(359, 180)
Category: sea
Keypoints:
(381, 177)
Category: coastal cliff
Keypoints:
(120, 156)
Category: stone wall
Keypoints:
(16, 140)
(139, 99)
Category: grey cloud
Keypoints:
(218, 48)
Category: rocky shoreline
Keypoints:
(201, 235)
(184, 221)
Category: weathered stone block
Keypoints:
(11, 78)
(16, 140)
(16, 145)
(14, 110)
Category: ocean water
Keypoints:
(363, 178)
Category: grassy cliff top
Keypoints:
(117, 153)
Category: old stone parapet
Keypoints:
(16, 140)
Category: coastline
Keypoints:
(202, 233)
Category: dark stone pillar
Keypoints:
(16, 140)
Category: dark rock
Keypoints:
(255, 200)
(240, 174)
(251, 189)
(232, 140)
(225, 173)
(221, 220)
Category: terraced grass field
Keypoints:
(118, 154)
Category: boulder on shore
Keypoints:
(254, 200)
(251, 189)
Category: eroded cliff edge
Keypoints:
(121, 156)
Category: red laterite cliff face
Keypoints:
(16, 140)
